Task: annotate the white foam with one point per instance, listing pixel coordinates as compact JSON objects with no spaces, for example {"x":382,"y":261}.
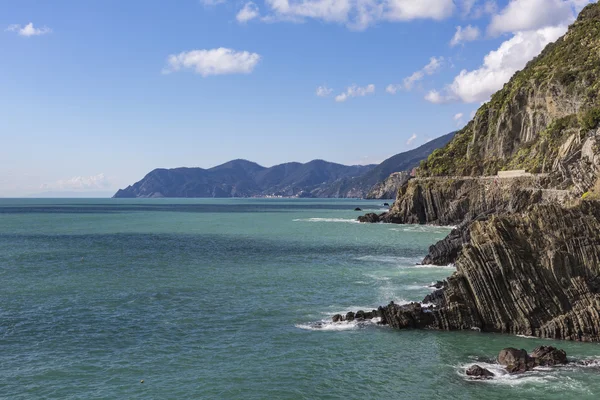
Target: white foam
{"x":343,"y":220}
{"x":390,"y":259}
{"x":419,"y":287}
{"x":328,"y":325}
{"x":502,"y":377}
{"x":423,"y":229}
{"x":449,"y":266}
{"x":590,"y":363}
{"x":527,"y":337}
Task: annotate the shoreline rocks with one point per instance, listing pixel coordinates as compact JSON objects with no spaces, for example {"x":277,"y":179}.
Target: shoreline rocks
{"x":534,"y":273}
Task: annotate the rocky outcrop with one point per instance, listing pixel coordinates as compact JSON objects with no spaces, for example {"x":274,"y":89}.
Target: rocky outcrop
{"x":451,"y":201}
{"x":535,"y":273}
{"x":519,"y":361}
{"x":388,"y":189}
{"x":477,"y":372}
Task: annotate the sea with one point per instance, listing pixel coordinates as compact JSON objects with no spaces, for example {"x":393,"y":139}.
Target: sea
{"x":233,"y":299}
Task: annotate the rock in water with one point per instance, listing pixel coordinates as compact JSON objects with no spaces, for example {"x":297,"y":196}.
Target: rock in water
{"x":357,"y":209}
{"x":549,"y":356}
{"x":369,"y":218}
{"x":337,"y":318}
{"x":478,"y":372}
{"x":516,"y":361}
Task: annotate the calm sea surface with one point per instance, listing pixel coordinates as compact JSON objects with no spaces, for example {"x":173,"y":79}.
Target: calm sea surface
{"x":231,"y":299}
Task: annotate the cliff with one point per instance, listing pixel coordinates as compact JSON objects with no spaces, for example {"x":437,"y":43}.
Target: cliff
{"x":526,"y":247}
{"x":388,"y":189}
{"x":542,"y":117}
{"x":535,"y":274}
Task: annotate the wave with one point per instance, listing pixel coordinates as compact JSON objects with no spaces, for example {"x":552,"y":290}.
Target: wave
{"x":448,"y":267}
{"x":328,"y":326}
{"x":423,"y":229}
{"x":548,"y":377}
{"x":344,"y":220}
{"x":390,"y":259}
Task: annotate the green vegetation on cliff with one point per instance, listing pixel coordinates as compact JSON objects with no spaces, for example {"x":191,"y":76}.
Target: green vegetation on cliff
{"x":555,"y":99}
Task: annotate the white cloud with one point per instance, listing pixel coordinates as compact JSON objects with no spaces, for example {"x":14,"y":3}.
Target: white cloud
{"x":488,"y":7}
{"x":95,"y":182}
{"x":28,"y":30}
{"x":498,"y":67}
{"x":219,"y":61}
{"x":411,"y":139}
{"x":467,"y":34}
{"x":435,"y":63}
{"x":355,"y":91}
{"x":458,"y":116}
{"x":248,"y":12}
{"x":323,"y":91}
{"x":525,"y":15}
{"x":406,"y":10}
{"x":358,"y":14}
{"x":435,"y":97}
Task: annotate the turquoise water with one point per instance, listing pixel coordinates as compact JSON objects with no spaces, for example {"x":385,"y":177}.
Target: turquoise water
{"x":231,"y":299}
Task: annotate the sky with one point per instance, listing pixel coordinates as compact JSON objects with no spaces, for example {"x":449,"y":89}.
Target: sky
{"x":97,"y":93}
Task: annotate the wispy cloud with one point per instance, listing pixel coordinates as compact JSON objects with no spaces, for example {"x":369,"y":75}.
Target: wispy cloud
{"x":467,"y":34}
{"x":434,"y":65}
{"x":323,"y":91}
{"x":411,"y":139}
{"x":28,"y":30}
{"x":221,"y":61}
{"x":355,"y":91}
{"x":247,"y":13}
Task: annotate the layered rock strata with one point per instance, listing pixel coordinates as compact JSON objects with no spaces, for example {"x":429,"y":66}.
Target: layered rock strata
{"x":535,"y":273}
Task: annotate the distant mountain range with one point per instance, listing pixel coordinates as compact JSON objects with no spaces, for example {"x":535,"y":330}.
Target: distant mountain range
{"x":241,"y":178}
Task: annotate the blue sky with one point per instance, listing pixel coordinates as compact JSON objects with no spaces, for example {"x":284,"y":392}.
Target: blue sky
{"x":97,"y":93}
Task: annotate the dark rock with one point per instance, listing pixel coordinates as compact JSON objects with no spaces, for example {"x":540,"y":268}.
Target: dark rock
{"x":357,"y":209}
{"x":516,"y":361}
{"x":510,"y":355}
{"x":446,"y":251}
{"x":350,"y":316}
{"x":549,"y":356}
{"x":478,"y":372}
{"x":337,"y":318}
{"x":360,"y":314}
{"x":386,"y":204}
{"x":369,"y":218}
{"x":438,"y":285}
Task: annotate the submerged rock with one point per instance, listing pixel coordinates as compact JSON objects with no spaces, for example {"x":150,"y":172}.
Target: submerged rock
{"x":357,"y":209}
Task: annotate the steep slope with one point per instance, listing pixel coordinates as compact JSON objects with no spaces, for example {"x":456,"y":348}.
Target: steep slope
{"x":535,"y":274}
{"x":527,"y":247}
{"x":541,"y":118}
{"x":545,"y":121}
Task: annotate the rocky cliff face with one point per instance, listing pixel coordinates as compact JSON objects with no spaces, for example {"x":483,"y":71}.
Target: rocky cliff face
{"x":388,"y":189}
{"x":535,"y":273}
{"x":526,"y":249}
{"x":541,"y":119}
